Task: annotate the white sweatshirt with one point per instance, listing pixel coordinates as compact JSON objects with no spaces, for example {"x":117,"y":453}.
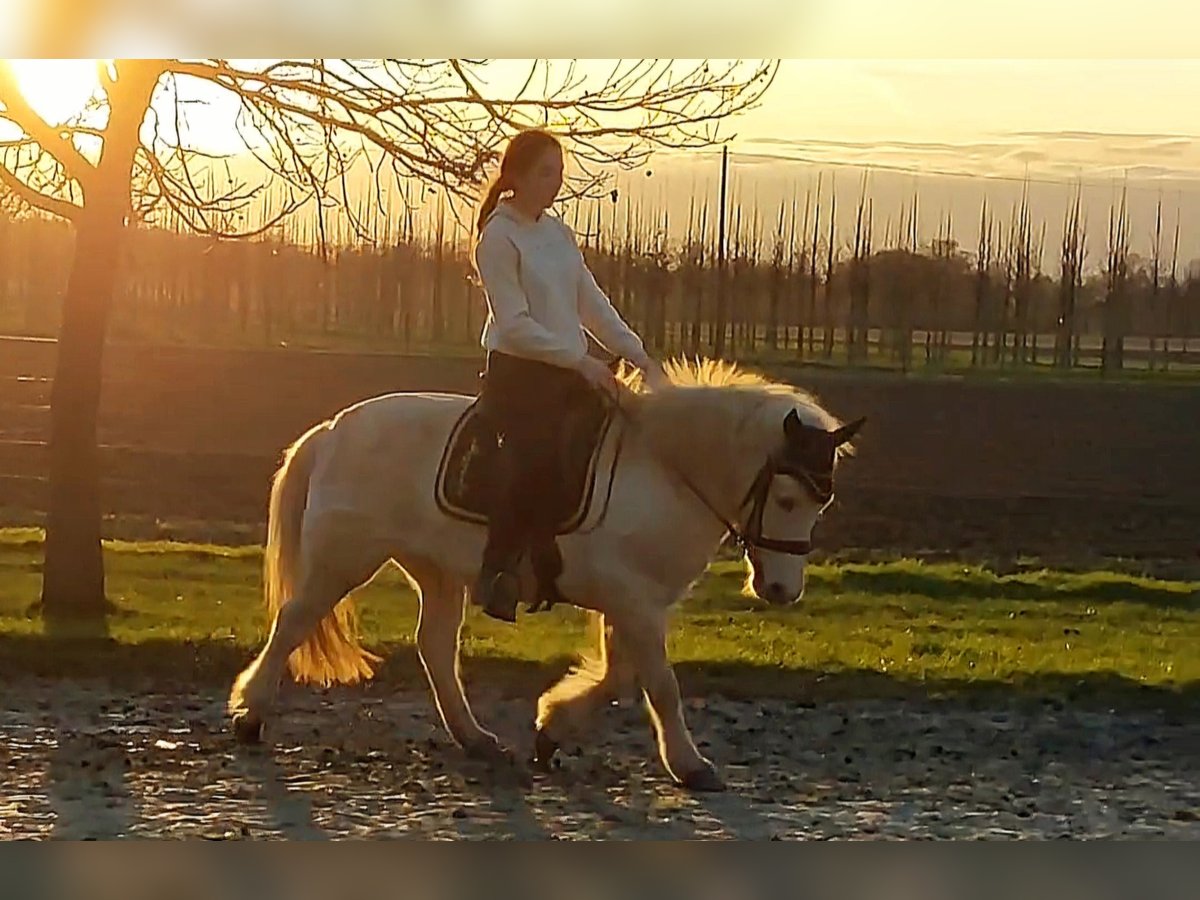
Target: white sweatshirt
{"x":541,"y":294}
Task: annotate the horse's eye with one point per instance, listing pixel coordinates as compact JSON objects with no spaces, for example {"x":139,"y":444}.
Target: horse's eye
{"x":787,"y":504}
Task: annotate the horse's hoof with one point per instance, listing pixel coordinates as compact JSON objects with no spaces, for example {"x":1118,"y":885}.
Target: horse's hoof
{"x":705,"y":779}
{"x":544,"y":748}
{"x":247,"y":729}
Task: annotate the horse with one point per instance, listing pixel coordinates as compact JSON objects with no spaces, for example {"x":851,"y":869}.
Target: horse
{"x":718,"y":450}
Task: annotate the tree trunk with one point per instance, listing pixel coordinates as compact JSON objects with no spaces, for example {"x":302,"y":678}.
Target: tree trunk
{"x":73,"y":567}
{"x":73,"y":570}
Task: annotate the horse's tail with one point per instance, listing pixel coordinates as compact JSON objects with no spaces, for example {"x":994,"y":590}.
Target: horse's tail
{"x":331,"y":653}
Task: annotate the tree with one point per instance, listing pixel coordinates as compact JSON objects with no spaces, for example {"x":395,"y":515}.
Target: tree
{"x":1117,"y":286}
{"x":313,"y":129}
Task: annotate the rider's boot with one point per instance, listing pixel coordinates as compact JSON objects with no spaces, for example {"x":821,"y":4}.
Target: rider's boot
{"x":498,"y":591}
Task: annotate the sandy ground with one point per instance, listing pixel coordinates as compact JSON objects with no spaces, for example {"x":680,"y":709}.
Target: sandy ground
{"x":90,"y":761}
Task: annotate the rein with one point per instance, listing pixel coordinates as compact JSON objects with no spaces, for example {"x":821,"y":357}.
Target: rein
{"x":749,"y":537}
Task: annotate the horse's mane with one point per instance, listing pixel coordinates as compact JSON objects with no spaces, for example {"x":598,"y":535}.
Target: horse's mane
{"x":705,"y":372}
{"x":713,"y":407}
{"x":744,"y":389}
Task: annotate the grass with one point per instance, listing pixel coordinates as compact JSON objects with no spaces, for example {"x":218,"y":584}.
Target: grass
{"x":191,"y":613}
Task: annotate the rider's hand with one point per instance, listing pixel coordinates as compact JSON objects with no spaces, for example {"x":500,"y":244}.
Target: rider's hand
{"x":598,"y":375}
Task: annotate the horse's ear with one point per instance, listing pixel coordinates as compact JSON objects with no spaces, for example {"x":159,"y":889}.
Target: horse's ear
{"x":793,"y":428}
{"x":846,"y":433}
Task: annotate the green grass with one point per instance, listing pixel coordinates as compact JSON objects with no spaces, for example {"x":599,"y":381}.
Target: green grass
{"x":191,"y":612}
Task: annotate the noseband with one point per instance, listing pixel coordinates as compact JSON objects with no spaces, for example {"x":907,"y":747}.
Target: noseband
{"x":750,"y":537}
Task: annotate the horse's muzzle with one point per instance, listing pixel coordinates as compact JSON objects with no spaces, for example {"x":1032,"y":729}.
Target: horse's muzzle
{"x":775,"y":592}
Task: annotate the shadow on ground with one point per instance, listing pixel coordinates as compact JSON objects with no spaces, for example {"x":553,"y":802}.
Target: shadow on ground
{"x":180,"y":665}
{"x":937,"y":586}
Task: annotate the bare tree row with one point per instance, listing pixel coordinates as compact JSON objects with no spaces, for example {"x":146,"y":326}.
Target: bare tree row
{"x":786,"y":284}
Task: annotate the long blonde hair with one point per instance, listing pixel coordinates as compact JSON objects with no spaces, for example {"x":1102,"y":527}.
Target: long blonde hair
{"x":520,"y":154}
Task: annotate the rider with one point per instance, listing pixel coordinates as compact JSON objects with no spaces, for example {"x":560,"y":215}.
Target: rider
{"x":540,"y":296}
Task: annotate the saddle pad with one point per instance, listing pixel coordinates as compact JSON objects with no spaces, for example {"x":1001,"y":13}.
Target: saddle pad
{"x":588,"y":453}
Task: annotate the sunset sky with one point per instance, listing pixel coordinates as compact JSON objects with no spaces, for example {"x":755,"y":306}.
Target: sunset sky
{"x":954,"y":124}
{"x":987,"y":115}
{"x":982,"y":116}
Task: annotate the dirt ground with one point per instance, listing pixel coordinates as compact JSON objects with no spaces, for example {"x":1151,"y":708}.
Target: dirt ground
{"x":88,"y":761}
{"x":1072,"y":473}
{"x":1068,"y":472}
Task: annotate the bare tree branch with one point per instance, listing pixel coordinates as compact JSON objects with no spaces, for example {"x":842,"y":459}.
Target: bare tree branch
{"x":437,"y":123}
{"x":18,"y":111}
{"x":326,"y":130}
{"x":45,"y":202}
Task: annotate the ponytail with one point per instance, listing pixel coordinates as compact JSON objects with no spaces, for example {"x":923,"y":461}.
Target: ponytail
{"x":489,"y":203}
{"x":519,"y":156}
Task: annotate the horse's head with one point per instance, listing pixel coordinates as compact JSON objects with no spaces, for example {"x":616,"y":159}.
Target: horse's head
{"x":724,"y":419}
{"x":789,"y":495}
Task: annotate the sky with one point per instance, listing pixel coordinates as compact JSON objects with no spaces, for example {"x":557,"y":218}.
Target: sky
{"x":956,"y":128}
{"x":966,"y":102}
{"x":867,"y":29}
{"x":975,"y":115}
{"x":995,"y":29}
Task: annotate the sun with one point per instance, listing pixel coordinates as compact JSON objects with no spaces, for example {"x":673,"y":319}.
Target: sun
{"x":57,"y":89}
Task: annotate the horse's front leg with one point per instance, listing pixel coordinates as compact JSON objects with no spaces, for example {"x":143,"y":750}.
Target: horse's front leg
{"x":566,"y":707}
{"x":646,"y":640}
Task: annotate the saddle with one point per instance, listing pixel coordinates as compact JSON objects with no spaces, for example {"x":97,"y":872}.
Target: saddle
{"x":587,"y":459}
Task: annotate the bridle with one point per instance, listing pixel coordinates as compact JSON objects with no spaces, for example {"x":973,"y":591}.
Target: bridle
{"x":749,"y":537}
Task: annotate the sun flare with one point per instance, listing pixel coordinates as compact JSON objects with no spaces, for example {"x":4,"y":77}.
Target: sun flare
{"x":57,"y":89}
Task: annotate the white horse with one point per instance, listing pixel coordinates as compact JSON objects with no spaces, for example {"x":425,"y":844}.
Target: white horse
{"x":718,"y":449}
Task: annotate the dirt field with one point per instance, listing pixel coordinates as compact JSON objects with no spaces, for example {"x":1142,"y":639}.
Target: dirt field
{"x":1068,"y":472}
{"x":85,"y":761}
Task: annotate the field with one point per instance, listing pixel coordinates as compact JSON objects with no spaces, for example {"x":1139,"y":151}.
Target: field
{"x":1075,"y":473}
{"x":897,"y":699}
{"x":890,"y":628}
{"x":1000,"y":629}
{"x":998,"y":639}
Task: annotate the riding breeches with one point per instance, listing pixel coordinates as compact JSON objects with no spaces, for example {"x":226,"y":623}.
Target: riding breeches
{"x":525,"y":402}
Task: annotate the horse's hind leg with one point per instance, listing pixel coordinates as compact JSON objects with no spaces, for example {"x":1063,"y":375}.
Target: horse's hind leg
{"x":438,"y":626}
{"x":324,"y":581}
{"x":566,"y":707}
{"x":256,"y":689}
